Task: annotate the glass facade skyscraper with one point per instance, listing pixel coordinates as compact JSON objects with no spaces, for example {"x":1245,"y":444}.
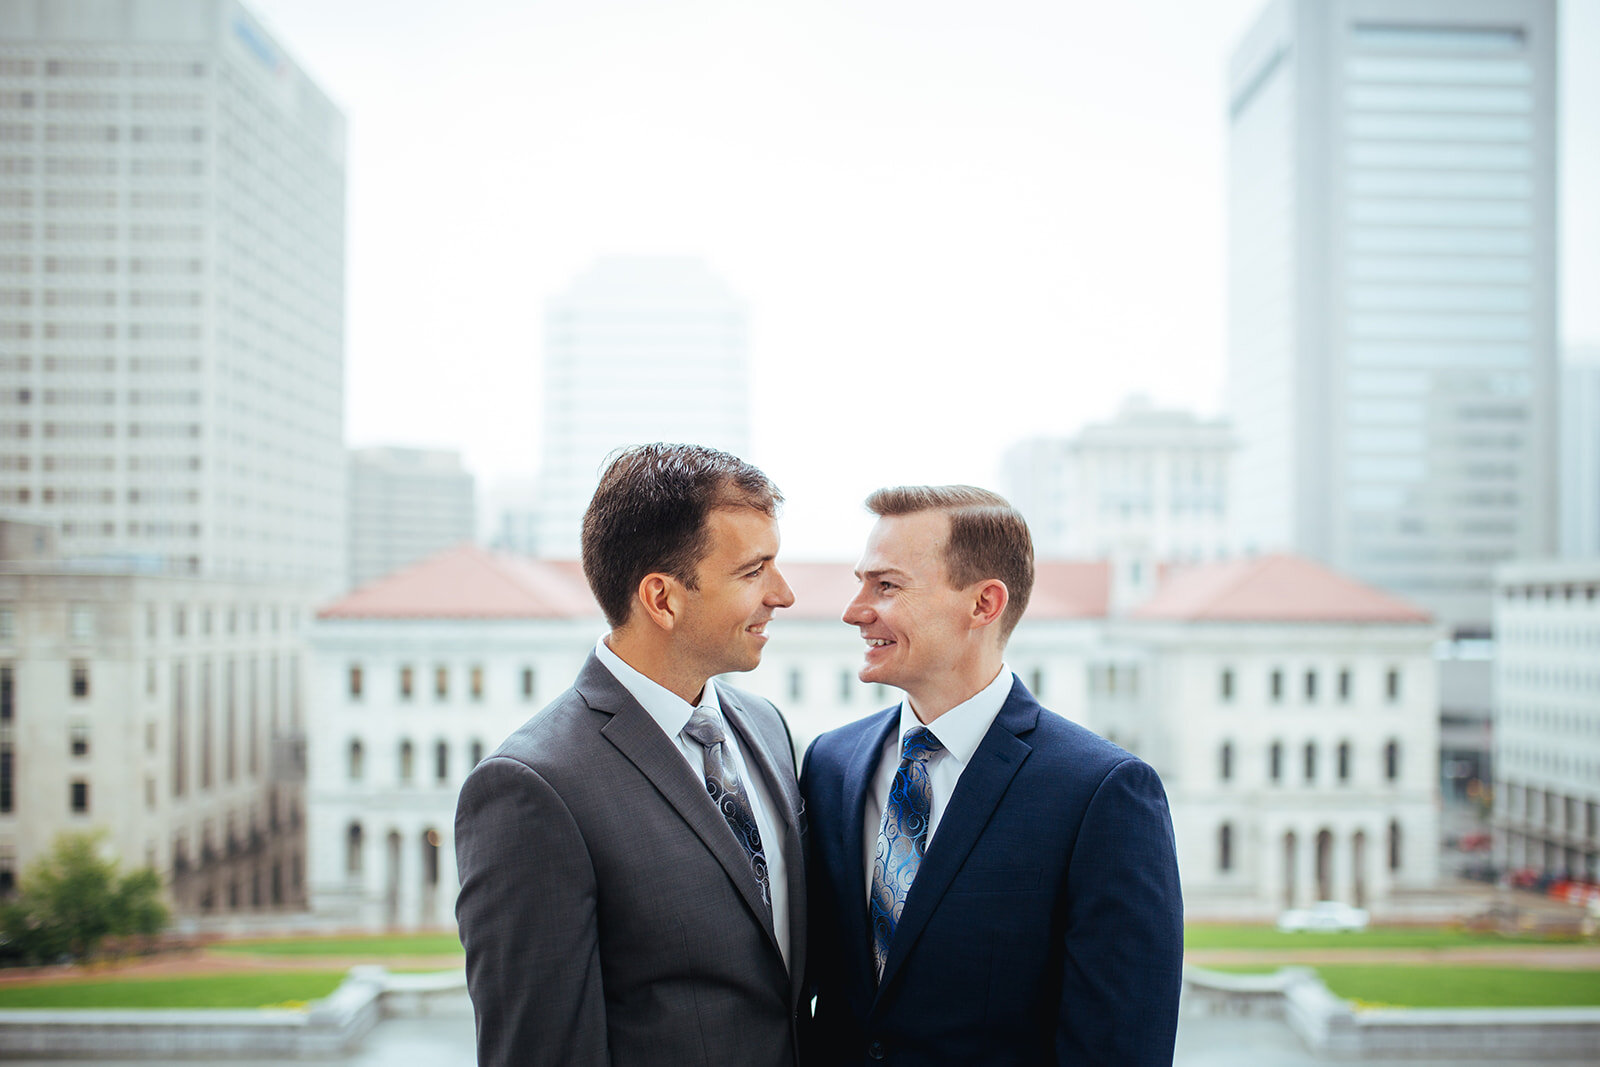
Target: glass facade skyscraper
{"x":1393,"y":290}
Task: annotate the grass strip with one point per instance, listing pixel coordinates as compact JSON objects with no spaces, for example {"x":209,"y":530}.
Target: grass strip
{"x":1417,"y":986}
{"x":1202,"y":936}
{"x":374,"y":948}
{"x":258,"y":989}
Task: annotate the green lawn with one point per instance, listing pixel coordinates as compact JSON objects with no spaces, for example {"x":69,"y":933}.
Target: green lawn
{"x":1202,"y":936}
{"x":377,"y":948}
{"x":1408,"y":986}
{"x":257,"y":990}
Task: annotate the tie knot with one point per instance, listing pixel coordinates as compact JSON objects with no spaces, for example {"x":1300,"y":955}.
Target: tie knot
{"x":919,"y":745}
{"x":705,"y":726}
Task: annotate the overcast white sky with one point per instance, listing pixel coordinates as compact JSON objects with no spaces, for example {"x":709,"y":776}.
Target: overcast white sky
{"x":956,"y":223}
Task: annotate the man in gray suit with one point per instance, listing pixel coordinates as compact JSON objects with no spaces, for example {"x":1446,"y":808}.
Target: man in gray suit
{"x":632,"y":889}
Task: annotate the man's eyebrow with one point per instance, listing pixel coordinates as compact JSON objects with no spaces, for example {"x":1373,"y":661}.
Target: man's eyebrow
{"x":752,"y":561}
{"x":879,"y":573}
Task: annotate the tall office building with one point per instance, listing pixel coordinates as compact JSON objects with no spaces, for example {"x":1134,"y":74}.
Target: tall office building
{"x":1393,"y":290}
{"x":405,"y":504}
{"x":1580,"y":453}
{"x":638,"y":349}
{"x":171,"y":289}
{"x":1150,"y":483}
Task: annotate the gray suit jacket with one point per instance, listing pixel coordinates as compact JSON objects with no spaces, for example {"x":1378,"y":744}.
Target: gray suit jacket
{"x":608,"y":913}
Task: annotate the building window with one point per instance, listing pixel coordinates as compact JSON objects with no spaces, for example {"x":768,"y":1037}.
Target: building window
{"x":1036,"y":682}
{"x":1225,"y":847}
{"x":797,"y":684}
{"x":355,"y":681}
{"x":81,"y":625}
{"x":352,"y":850}
{"x":8,"y":770}
{"x":406,"y":683}
{"x":527,"y":683}
{"x":847,"y":686}
{"x":1225,"y":762}
{"x":475,"y":683}
{"x":1391,"y":761}
{"x":1394,"y":844}
{"x":477,"y":753}
{"x":407,"y":761}
{"x":1344,"y":761}
{"x":1311,"y":761}
{"x":1391,"y":686}
{"x":1276,"y":687}
{"x":180,"y":730}
{"x":78,"y":735}
{"x":357,"y":761}
{"x":80,"y":680}
{"x":180,"y":621}
{"x":441,"y":683}
{"x":8,"y":624}
{"x":8,"y":694}
{"x":1275,"y":762}
{"x":8,"y":869}
{"x":441,"y":761}
{"x":1225,"y":685}
{"x":1311,"y":686}
{"x":80,"y":797}
{"x":1344,"y":686}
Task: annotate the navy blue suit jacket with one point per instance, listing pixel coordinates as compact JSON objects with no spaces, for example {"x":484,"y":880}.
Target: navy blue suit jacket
{"x":1045,"y":925}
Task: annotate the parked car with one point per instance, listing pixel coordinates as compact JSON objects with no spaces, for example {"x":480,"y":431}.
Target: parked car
{"x":1323,"y":915}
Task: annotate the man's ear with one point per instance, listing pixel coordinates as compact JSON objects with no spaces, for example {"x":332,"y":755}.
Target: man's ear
{"x":989,"y":603}
{"x":657,"y":596}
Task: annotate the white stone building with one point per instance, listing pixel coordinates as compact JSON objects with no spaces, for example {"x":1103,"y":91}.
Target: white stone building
{"x":167,"y":711}
{"x":1296,"y":727}
{"x":1547,"y":718}
{"x":172,"y":194}
{"x":1150,"y":483}
{"x":415,"y":677}
{"x":405,"y":504}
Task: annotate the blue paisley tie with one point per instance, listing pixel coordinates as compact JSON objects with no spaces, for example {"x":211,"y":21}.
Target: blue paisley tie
{"x":728,"y":794}
{"x":903,"y":839}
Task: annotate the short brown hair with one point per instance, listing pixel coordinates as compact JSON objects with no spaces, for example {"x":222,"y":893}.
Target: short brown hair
{"x":988,"y":538}
{"x":649,"y":515}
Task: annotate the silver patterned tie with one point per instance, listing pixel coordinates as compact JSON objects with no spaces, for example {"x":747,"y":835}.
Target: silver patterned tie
{"x":728,"y":794}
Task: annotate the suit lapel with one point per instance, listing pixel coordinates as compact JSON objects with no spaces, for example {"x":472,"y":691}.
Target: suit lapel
{"x":850,"y":879}
{"x":637,"y":736}
{"x":786,"y":795}
{"x":977,"y":794}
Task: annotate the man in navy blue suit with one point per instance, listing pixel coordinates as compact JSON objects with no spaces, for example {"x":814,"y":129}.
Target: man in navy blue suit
{"x":989,"y":883}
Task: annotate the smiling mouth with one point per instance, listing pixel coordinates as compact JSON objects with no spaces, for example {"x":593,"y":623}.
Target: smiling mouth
{"x":877,"y":642}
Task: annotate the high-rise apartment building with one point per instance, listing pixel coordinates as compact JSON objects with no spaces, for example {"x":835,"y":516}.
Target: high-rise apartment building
{"x":1580,"y":453}
{"x":1150,"y":483}
{"x":1393,"y":290}
{"x":1547,"y":718}
{"x":638,"y":349}
{"x":171,"y":289}
{"x":406,"y":503}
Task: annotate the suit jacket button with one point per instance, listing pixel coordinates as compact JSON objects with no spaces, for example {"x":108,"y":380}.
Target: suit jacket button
{"x":875,"y":1050}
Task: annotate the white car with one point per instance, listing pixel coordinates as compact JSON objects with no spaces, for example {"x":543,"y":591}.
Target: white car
{"x":1323,"y":915}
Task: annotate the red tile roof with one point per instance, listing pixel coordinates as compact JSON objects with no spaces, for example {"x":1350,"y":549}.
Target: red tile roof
{"x":469,"y":582}
{"x":1274,"y":588}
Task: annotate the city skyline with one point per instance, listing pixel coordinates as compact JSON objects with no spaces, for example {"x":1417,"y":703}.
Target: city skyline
{"x":1037,"y":194}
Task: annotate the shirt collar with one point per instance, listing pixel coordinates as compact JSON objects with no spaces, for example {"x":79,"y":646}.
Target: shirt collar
{"x":960,"y":730}
{"x":670,"y":711}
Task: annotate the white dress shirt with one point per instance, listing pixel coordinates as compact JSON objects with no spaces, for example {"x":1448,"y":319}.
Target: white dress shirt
{"x":672,"y":713}
{"x":960,"y":730}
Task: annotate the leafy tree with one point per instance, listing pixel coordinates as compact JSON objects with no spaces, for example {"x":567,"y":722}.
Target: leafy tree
{"x":72,"y":899}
